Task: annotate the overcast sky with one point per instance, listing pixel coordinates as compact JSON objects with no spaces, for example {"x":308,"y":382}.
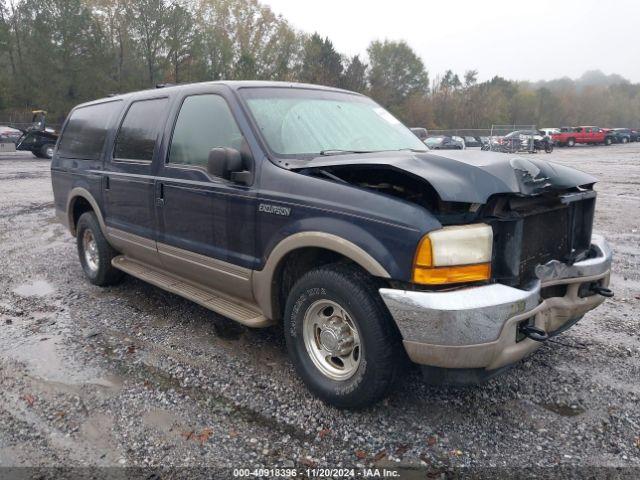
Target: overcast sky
{"x":533,"y":40}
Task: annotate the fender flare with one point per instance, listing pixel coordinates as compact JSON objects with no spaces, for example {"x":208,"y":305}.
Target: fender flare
{"x":262,"y":280}
{"x":79,"y":192}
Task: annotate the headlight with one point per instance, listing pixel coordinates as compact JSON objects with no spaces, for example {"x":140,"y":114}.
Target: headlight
{"x":454,"y":255}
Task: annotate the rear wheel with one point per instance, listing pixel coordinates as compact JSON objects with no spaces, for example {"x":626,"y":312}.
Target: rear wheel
{"x":571,"y":142}
{"x":341,"y":338}
{"x":624,"y":140}
{"x":608,"y":141}
{"x":95,"y":252}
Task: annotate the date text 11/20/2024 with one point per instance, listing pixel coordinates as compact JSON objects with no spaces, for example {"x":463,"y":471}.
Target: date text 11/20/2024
{"x":317,"y":472}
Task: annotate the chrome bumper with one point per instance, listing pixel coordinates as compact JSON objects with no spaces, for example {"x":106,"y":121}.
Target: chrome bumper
{"x":476,"y":327}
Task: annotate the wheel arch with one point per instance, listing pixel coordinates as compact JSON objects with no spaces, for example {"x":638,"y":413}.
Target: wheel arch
{"x":301,"y":252}
{"x":80,"y":201}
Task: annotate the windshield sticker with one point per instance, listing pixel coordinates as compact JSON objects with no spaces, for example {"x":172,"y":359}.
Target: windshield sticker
{"x":387,"y":116}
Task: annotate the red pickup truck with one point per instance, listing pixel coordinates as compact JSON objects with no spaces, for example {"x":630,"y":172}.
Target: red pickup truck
{"x":586,"y":134}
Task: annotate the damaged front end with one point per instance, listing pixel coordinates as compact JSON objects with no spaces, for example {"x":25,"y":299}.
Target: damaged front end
{"x":539,"y":211}
{"x":547,"y":268}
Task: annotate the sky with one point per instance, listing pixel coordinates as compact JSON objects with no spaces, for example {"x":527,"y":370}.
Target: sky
{"x":535,"y":40}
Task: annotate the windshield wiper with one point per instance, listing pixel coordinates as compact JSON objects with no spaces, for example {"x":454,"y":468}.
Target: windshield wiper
{"x":337,"y":151}
{"x":413,"y":150}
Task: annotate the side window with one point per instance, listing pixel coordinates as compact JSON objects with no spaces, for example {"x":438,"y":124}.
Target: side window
{"x":83,"y":136}
{"x":136,"y":138}
{"x":204,"y":122}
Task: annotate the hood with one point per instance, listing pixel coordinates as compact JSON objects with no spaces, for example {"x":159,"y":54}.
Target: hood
{"x":467,"y":176}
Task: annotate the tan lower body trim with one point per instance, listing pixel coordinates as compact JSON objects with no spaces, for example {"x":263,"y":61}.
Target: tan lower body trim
{"x":134,"y":246}
{"x":243,"y":312}
{"x":207,"y":272}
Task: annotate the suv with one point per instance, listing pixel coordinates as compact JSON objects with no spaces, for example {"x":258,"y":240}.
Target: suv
{"x":275,"y":202}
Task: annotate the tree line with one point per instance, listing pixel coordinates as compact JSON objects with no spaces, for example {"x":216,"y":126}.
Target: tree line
{"x":55,"y":54}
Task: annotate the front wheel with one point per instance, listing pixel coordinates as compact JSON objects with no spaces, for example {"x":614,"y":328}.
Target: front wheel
{"x":608,"y":141}
{"x":548,"y":148}
{"x":624,"y":140}
{"x":571,"y":142}
{"x":341,"y":337}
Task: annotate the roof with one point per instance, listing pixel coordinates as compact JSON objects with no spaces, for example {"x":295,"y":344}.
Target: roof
{"x":232,"y":84}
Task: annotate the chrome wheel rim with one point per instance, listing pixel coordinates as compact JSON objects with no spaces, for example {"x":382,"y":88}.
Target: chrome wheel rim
{"x":49,"y":152}
{"x":90,"y":247}
{"x":332,"y":340}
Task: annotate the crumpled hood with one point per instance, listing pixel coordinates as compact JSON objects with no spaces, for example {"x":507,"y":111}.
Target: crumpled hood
{"x":467,"y":176}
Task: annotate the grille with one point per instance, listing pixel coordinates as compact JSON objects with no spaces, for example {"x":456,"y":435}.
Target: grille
{"x":545,"y":236}
{"x":562,"y":233}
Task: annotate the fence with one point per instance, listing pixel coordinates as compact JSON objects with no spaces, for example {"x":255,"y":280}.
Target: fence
{"x":463,"y":132}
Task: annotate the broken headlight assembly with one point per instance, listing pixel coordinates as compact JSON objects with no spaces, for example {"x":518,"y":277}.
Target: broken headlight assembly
{"x":455,"y":254}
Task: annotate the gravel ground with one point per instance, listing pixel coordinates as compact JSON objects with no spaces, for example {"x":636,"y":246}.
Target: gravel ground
{"x":135,"y":376}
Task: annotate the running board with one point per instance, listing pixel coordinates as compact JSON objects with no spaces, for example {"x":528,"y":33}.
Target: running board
{"x":218,"y":302}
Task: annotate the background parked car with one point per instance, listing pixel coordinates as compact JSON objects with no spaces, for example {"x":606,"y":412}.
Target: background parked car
{"x":622,"y":135}
{"x":444,"y":142}
{"x":472,"y":141}
{"x":588,"y":134}
{"x":420,"y":132}
{"x":549,"y":131}
{"x":521,"y":140}
{"x":9,"y":134}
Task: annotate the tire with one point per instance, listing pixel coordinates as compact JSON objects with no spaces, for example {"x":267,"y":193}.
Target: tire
{"x":608,"y":141}
{"x":624,"y":140}
{"x":548,"y":148}
{"x":571,"y":142}
{"x":95,"y":253}
{"x":46,"y":151}
{"x":346,"y":300}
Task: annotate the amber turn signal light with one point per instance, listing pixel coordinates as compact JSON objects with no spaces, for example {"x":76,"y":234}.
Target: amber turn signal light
{"x":457,"y":274}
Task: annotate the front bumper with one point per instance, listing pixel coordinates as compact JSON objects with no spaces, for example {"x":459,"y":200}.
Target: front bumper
{"x":477,"y":327}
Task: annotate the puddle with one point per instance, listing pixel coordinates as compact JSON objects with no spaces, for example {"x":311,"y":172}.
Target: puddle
{"x":39,"y":288}
{"x":162,"y":420}
{"x":563,"y":409}
{"x":45,"y":359}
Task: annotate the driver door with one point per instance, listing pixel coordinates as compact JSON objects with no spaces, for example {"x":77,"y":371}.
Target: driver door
{"x":206,"y":229}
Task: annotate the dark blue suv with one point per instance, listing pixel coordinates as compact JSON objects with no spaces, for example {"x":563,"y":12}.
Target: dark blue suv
{"x":274,"y":202}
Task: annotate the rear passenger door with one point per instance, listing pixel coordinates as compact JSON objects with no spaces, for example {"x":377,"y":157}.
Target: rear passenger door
{"x":206,"y":223}
{"x":130,"y":179}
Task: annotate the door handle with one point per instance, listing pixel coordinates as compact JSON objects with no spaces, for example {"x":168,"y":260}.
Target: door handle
{"x":159,"y":194}
{"x":106,"y":182}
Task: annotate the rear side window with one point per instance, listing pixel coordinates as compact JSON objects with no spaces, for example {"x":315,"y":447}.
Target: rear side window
{"x":204,"y":122}
{"x":86,"y":130}
{"x":136,"y":138}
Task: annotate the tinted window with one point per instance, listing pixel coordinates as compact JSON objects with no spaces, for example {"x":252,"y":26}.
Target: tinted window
{"x":137,"y":136}
{"x":86,"y":130}
{"x":204,"y":122}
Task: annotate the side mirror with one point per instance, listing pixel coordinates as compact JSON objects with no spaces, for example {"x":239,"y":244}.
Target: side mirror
{"x":224,"y":161}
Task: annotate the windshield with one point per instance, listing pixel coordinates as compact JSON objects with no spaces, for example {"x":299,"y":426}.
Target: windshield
{"x":295,"y":121}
